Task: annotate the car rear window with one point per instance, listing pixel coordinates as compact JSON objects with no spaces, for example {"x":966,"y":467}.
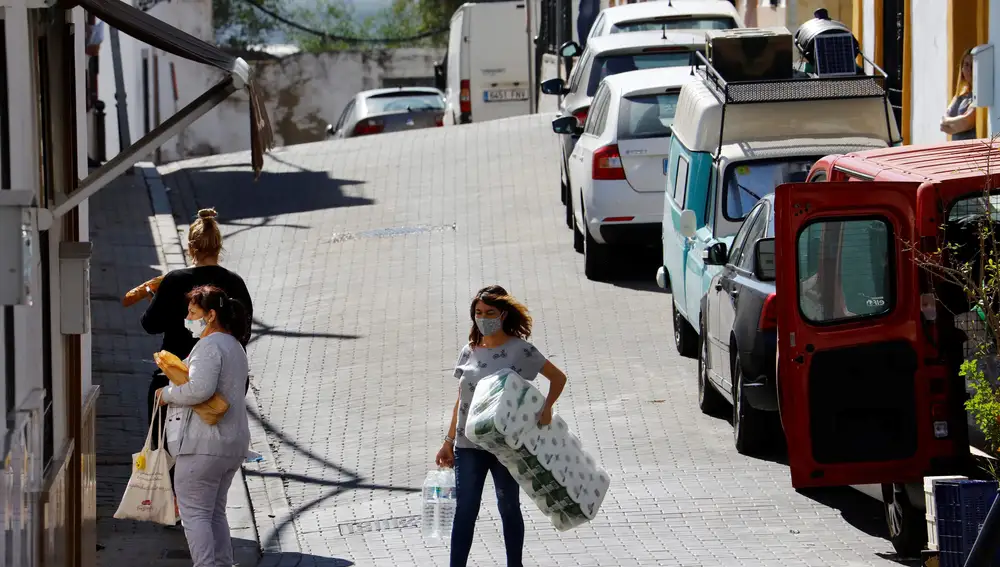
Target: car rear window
{"x":745,"y":183}
{"x":676,"y":23}
{"x":647,"y":116}
{"x":844,"y":269}
{"x":392,"y":102}
{"x":606,"y":66}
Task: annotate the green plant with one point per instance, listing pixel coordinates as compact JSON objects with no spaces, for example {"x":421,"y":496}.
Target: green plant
{"x":984,"y":404}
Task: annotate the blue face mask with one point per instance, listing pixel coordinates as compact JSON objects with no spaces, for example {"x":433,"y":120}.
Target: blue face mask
{"x":196,"y":327}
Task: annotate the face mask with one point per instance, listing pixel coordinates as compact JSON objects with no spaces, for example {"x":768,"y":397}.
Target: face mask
{"x":489,"y":326}
{"x":196,"y":327}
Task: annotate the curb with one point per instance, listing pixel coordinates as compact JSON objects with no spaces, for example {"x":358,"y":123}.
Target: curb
{"x":239,"y":510}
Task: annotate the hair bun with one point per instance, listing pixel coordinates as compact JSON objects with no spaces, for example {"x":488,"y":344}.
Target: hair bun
{"x":207,"y":214}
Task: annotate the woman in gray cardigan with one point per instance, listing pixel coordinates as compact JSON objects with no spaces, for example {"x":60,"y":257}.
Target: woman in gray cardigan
{"x":208,"y":456}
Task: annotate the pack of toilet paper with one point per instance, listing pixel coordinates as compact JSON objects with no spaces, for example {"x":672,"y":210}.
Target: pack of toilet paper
{"x":548,"y":462}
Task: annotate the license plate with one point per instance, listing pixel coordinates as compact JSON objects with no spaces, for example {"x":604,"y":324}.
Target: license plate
{"x":505,"y":95}
{"x":666,"y":165}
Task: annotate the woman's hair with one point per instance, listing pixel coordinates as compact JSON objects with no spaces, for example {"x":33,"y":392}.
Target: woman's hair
{"x":204,"y":236}
{"x":516,"y":322}
{"x":232,"y":315}
{"x":961,"y":85}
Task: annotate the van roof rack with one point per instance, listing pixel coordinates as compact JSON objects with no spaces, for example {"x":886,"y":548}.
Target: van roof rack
{"x":809,"y":88}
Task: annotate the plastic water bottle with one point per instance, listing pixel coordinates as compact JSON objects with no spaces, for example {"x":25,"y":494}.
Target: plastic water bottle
{"x":438,"y":510}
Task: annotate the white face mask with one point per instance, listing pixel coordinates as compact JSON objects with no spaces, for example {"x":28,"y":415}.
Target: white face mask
{"x":196,"y":327}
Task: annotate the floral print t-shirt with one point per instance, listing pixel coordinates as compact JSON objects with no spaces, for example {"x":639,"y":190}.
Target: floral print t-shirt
{"x":474,"y":364}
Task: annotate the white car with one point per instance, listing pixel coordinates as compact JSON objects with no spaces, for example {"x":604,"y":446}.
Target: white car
{"x":673,"y":15}
{"x":618,"y":166}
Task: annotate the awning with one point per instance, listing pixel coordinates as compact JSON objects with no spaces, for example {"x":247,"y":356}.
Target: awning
{"x":160,"y":35}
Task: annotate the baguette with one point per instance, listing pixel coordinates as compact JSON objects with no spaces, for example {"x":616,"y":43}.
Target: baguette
{"x":211,"y":410}
{"x":142,"y":291}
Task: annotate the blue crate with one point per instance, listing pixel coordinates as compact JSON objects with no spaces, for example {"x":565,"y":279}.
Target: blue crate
{"x":962,"y":506}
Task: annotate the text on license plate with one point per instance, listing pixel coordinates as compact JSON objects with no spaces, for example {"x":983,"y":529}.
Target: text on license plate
{"x":504,"y":95}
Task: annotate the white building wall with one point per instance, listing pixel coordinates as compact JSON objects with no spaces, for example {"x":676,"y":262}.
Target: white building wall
{"x":929,"y":72}
{"x":868,"y":29}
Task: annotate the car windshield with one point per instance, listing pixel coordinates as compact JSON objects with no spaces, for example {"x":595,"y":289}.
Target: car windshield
{"x":676,"y":23}
{"x":647,"y":116}
{"x":615,"y":64}
{"x":748,"y":182}
{"x":396,"y":102}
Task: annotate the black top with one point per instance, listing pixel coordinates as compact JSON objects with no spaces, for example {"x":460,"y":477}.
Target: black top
{"x":167,"y":311}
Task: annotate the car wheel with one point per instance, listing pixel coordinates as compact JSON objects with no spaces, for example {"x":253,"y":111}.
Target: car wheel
{"x":563,"y":185}
{"x":907,"y":528}
{"x":570,"y":223}
{"x":595,"y":258}
{"x":577,"y":234}
{"x":709,"y":400}
{"x":685,"y":339}
{"x":750,"y":431}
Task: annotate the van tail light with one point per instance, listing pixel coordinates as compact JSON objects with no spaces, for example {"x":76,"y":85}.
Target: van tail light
{"x":369,"y":126}
{"x":769,"y":314}
{"x":608,"y":164}
{"x":581,"y":115}
{"x":465,"y":98}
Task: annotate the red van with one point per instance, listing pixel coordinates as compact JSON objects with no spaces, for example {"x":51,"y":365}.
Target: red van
{"x":870,"y":343}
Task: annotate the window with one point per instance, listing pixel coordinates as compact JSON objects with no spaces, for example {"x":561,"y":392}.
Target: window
{"x":676,"y":23}
{"x":681,"y":181}
{"x":748,"y":182}
{"x":741,"y":236}
{"x":403,"y":102}
{"x":622,"y":63}
{"x":710,"y":201}
{"x":974,"y":207}
{"x":594,"y":119}
{"x":844,"y":269}
{"x":344,"y":115}
{"x":647,"y":116}
{"x":578,"y":70}
{"x":755,"y":233}
{"x":820,"y":177}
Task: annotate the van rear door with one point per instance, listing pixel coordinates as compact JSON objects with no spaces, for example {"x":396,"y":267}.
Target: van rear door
{"x":854,"y":390}
{"x":498,"y":60}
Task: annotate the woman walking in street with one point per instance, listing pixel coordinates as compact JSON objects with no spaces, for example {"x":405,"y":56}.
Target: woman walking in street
{"x":208,"y":456}
{"x":169,"y":305}
{"x":498,"y":339}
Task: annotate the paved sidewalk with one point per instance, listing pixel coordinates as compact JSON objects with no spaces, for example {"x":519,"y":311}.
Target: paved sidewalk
{"x":135,"y":239}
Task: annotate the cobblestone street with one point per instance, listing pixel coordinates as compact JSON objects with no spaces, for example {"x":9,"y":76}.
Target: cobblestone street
{"x":362,"y":256}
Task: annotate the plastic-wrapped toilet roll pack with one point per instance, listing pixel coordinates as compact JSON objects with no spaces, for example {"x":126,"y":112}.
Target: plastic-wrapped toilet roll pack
{"x":548,"y":462}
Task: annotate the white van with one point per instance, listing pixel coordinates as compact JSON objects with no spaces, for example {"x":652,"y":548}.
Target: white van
{"x":486,"y":73}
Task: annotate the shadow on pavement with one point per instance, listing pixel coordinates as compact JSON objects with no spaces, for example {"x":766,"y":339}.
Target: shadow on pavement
{"x":261,"y":329}
{"x":301,"y":560}
{"x":232,"y":190}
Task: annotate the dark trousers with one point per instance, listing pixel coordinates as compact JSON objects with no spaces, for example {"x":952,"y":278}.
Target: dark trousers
{"x":471,"y":466}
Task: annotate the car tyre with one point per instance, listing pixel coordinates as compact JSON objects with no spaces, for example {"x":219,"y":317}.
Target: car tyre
{"x":570,"y":221}
{"x":563,"y":185}
{"x":685,"y":338}
{"x":750,"y":426}
{"x":577,"y":234}
{"x":710,"y":401}
{"x":595,"y":258}
{"x":907,"y":527}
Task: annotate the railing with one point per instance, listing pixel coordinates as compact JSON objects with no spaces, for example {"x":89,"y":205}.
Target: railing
{"x":57,"y":506}
{"x":21,"y":483}
{"x":88,"y":478}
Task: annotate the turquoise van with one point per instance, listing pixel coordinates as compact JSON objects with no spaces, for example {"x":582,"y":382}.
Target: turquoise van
{"x":732,"y":145}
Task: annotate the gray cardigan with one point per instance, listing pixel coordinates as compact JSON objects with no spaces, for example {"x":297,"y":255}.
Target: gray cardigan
{"x":217,"y":363}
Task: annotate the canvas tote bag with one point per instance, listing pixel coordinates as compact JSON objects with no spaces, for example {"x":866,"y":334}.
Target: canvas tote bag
{"x":148,"y":496}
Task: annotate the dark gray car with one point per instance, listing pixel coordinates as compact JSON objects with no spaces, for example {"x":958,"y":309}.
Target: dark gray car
{"x":389,"y":110}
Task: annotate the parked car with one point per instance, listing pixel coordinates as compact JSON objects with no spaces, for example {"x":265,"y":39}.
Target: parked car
{"x":739,"y":333}
{"x":734,"y":142}
{"x":670,"y":16}
{"x":618,"y":167}
{"x":389,"y":110}
{"x":487,"y":73}
{"x":608,"y":56}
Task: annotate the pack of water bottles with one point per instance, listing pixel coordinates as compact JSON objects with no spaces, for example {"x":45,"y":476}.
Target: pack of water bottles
{"x":548,"y":462}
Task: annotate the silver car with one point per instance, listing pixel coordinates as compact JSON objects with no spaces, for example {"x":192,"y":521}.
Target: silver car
{"x":389,"y":110}
{"x":611,"y":55}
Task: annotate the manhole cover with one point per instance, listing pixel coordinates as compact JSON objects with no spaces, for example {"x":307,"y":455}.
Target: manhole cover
{"x":386,"y":524}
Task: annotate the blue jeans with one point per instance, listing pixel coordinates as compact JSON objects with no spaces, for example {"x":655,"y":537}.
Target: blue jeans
{"x":471,"y":466}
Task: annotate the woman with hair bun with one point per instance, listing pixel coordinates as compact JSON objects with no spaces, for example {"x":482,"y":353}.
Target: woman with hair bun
{"x":208,"y":456}
{"x":169,"y":305}
{"x":497,"y":340}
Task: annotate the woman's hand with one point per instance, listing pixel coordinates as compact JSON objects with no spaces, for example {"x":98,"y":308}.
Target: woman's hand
{"x":159,"y":397}
{"x":545,"y":417}
{"x":446,"y":456}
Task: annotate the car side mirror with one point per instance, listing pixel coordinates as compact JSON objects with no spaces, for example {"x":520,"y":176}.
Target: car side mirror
{"x":688,"y":224}
{"x":554,"y":86}
{"x":569,"y":49}
{"x":567,"y":125}
{"x":763,"y":259}
{"x":716,"y":255}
